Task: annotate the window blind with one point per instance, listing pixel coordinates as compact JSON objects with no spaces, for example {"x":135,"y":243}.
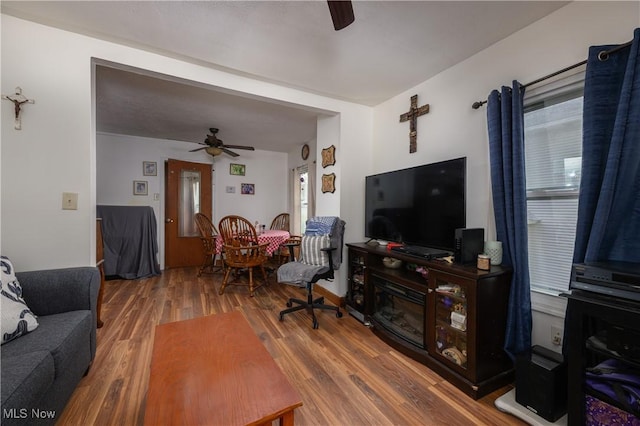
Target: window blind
{"x":553,"y":157}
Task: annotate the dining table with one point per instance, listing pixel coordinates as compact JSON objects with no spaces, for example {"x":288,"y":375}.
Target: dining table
{"x":274,"y":237}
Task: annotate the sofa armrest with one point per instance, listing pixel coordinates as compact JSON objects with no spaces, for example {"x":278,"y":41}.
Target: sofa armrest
{"x":54,"y":291}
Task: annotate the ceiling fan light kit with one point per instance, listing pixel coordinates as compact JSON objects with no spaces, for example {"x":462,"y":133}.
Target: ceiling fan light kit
{"x":216,"y":147}
{"x":213,"y":151}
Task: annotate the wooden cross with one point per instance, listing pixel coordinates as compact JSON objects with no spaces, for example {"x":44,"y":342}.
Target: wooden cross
{"x":412,"y":116}
{"x":18,"y":99}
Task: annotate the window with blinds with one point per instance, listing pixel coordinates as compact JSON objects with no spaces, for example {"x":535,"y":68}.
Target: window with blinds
{"x":553,"y":158}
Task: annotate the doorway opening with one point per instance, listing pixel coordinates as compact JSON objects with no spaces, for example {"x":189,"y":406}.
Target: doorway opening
{"x":301,"y":199}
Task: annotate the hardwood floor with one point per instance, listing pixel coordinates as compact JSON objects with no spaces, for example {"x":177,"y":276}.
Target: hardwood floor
{"x":343,"y":372}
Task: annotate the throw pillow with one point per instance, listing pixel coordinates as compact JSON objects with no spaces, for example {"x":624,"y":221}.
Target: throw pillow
{"x":16,"y":317}
{"x":311,"y":253}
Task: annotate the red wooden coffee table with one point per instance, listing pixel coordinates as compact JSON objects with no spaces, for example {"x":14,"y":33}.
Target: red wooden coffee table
{"x":215,"y":371}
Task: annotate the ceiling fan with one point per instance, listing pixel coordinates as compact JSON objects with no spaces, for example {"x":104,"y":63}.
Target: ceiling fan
{"x":341,"y":13}
{"x":215,"y":146}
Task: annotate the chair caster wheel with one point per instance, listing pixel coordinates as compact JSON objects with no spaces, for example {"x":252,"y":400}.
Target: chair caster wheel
{"x":281,"y":317}
{"x":315,"y":325}
{"x":289,"y":304}
{"x":338,"y":314}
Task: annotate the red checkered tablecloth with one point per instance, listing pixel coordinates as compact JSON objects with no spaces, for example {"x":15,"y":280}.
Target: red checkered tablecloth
{"x":273,"y":237}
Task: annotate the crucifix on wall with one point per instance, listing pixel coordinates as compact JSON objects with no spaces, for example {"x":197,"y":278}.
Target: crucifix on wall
{"x":18,"y":100}
{"x":412,"y":116}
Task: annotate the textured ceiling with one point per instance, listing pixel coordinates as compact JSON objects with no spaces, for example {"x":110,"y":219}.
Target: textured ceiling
{"x":129,"y":103}
{"x":391,"y":47}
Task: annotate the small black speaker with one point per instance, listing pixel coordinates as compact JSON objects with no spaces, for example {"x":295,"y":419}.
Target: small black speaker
{"x":541,"y":382}
{"x":469,"y":242}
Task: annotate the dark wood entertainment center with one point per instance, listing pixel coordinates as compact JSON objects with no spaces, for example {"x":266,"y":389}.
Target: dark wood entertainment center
{"x":453,"y":321}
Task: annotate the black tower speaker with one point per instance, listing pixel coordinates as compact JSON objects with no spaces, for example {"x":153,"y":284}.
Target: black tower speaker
{"x":541,"y":382}
{"x":469,"y":242}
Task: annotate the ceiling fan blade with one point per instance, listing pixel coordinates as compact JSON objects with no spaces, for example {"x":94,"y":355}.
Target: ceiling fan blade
{"x":198,"y":149}
{"x":249,"y":148}
{"x":231,"y":153}
{"x":341,"y":13}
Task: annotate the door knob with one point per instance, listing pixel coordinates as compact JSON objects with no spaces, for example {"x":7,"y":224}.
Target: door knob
{"x":168,"y":220}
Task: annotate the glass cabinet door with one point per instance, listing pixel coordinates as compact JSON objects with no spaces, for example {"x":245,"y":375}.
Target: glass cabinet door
{"x":356,"y":291}
{"x":449,"y":317}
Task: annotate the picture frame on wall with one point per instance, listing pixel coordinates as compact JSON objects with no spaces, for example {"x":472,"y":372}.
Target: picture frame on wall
{"x":237,"y":169}
{"x":149,"y":168}
{"x":247,"y":188}
{"x":329,"y":183}
{"x":328,"y":156}
{"x":140,"y":187}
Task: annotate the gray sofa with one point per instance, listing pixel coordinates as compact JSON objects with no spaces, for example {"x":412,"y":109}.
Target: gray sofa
{"x":41,"y":369}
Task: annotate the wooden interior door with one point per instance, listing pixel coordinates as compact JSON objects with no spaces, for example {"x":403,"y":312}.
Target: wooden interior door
{"x":182,"y":241}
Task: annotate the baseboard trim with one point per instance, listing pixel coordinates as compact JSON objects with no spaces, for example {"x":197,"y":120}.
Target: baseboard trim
{"x":321,"y":291}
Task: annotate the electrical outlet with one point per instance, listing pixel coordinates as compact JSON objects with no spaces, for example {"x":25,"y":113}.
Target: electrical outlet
{"x":556,"y":335}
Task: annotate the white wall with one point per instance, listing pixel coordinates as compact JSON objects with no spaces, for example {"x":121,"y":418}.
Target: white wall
{"x":453,"y":129}
{"x":52,"y":153}
{"x":119,"y":163}
{"x":353,"y":163}
{"x":56,"y":150}
{"x":268,"y":171}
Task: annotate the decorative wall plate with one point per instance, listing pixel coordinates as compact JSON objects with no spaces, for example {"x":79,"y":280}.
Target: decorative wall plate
{"x":328,"y":156}
{"x":329,"y":183}
{"x":305,"y":151}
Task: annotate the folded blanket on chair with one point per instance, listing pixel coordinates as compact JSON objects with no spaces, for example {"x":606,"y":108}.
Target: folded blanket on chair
{"x":298,"y":273}
{"x":336,"y":241}
{"x":320,"y":225}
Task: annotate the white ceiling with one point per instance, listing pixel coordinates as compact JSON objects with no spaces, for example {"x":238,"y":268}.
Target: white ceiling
{"x":391,"y":47}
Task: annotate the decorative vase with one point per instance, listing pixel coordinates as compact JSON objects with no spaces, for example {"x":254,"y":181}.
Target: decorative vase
{"x":494,"y":250}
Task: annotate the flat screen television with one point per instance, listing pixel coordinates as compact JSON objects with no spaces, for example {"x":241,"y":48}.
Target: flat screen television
{"x":419,"y":206}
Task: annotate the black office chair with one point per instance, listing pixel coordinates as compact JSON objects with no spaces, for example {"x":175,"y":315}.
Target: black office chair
{"x":320,"y":256}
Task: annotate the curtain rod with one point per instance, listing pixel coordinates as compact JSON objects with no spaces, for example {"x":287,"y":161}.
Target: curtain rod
{"x":602,"y":56}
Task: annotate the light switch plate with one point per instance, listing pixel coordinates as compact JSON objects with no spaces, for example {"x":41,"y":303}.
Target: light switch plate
{"x":230,"y":189}
{"x":69,"y":201}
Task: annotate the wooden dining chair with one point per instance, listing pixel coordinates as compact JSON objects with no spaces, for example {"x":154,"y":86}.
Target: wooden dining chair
{"x":289,"y":250}
{"x":281,"y":222}
{"x":241,"y":251}
{"x":208,"y":236}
